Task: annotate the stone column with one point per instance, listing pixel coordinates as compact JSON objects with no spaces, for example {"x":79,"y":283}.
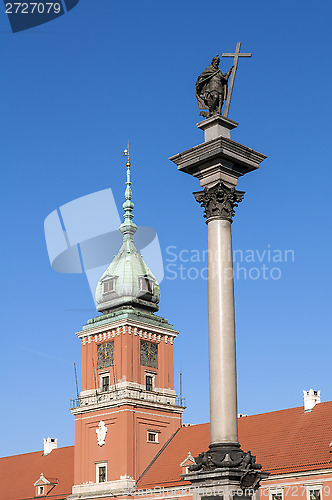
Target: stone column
{"x":219,"y":202}
{"x":218,"y":163}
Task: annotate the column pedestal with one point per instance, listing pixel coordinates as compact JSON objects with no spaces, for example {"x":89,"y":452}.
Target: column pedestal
{"x":216,"y":126}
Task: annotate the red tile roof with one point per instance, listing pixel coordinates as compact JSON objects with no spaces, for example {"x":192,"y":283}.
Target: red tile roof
{"x":18,"y":474}
{"x":283,"y":441}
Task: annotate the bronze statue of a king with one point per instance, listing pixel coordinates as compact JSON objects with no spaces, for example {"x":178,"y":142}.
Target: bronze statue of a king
{"x":211,"y":88}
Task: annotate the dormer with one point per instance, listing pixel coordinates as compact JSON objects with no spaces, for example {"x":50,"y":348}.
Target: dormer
{"x":189,"y":460}
{"x":146,"y":285}
{"x":44,"y":486}
{"x":108,"y":284}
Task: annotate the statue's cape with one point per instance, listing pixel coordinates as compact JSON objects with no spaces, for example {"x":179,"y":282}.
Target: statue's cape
{"x":201,"y":83}
{"x":205,"y":76}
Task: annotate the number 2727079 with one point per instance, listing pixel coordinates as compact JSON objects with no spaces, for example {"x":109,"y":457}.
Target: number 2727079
{"x":33,"y":8}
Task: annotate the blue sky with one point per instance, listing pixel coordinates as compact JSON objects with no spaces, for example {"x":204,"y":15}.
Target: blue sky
{"x":73,"y":92}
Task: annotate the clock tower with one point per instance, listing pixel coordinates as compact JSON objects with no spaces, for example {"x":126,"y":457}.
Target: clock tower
{"x":127,"y":409}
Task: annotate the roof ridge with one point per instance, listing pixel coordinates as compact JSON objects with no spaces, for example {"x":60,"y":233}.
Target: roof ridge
{"x":254,"y":415}
{"x":38,"y":451}
{"x":288,"y":409}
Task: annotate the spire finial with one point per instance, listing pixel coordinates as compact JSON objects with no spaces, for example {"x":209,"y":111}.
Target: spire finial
{"x":128,"y":227}
{"x":128,"y":193}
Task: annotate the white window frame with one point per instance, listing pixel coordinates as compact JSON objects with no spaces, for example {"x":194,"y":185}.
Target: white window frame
{"x":311,"y":487}
{"x":101,"y":375}
{"x":110,"y":280}
{"x":150,"y":374}
{"x":149,"y":280}
{"x":41,"y":490}
{"x":98,"y":466}
{"x":276,"y":491}
{"x":156,"y":434}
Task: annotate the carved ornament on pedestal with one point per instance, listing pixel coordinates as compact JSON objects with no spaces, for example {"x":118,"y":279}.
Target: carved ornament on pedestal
{"x":229,"y":457}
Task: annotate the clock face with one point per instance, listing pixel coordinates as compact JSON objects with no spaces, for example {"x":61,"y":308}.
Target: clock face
{"x":149,"y":354}
{"x":105,"y":355}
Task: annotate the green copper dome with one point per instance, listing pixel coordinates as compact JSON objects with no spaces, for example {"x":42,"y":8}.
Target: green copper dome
{"x":127,"y":280}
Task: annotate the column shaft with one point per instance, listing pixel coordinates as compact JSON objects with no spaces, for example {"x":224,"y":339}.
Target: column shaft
{"x":222,"y":346}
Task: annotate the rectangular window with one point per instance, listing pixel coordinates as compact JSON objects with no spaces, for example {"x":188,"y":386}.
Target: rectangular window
{"x":276,"y":494}
{"x":109,"y":285}
{"x":146,"y":285}
{"x":105,"y":383}
{"x":101,"y":471}
{"x":149,"y":383}
{"x":102,"y":474}
{"x":152,"y":437}
{"x":315,"y":494}
{"x":41,"y":490}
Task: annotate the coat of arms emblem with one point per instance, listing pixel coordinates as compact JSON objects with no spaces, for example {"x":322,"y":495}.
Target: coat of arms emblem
{"x":101,"y":433}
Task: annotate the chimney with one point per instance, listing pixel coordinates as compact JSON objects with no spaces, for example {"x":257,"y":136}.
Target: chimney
{"x":49,"y":445}
{"x":311,"y":398}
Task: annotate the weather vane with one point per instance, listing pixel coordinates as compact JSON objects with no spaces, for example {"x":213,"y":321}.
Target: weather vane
{"x":125,"y":152}
{"x":212,"y":87}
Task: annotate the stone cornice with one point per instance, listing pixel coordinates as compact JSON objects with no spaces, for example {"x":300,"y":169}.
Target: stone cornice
{"x":219,"y":201}
{"x":241,"y":158}
{"x":131,"y":386}
{"x":130,"y":327}
{"x":131,"y":314}
{"x":124,"y":400}
{"x":179,"y":487}
{"x":297,"y":474}
{"x":100,"y":490}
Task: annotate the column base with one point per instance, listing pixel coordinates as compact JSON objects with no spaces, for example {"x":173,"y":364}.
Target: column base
{"x":226,"y":462}
{"x":212,"y":486}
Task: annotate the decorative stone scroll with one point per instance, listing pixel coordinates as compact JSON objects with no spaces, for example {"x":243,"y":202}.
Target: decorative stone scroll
{"x":219,"y":201}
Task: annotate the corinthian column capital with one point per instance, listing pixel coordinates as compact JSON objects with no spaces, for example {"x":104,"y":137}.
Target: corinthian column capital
{"x":219,"y":201}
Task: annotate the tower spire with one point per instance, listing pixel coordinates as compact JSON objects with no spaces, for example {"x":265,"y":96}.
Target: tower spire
{"x":128,"y":228}
{"x":127,"y":281}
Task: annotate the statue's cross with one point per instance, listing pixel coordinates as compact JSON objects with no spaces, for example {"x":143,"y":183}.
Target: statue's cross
{"x":232,"y":78}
